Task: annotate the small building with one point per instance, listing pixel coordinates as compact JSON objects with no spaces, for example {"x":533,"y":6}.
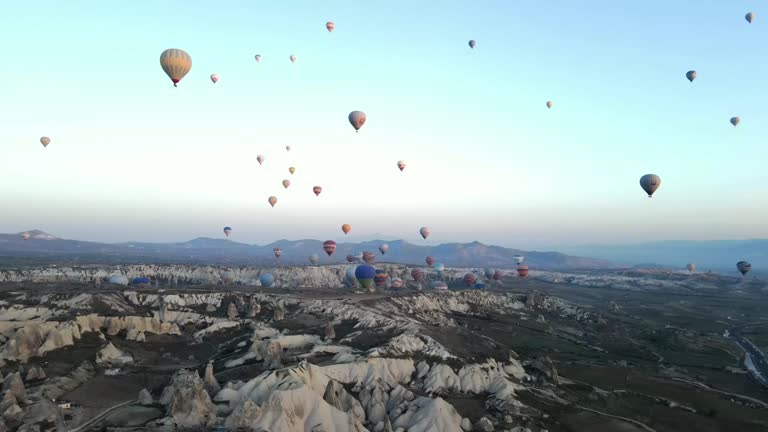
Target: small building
{"x":64,"y":405}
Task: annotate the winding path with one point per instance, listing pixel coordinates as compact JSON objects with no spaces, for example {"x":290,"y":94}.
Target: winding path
{"x":83,"y":427}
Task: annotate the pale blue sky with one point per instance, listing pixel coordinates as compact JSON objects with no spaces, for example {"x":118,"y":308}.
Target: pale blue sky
{"x":133,"y":158}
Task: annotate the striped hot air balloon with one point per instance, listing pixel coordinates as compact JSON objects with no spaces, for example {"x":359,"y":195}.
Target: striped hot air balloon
{"x":744,"y":267}
{"x":417,"y":275}
{"x":380,"y":279}
{"x":469,"y":279}
{"x":317,"y":190}
{"x":176,"y":63}
{"x":439,"y":285}
{"x":396,"y":283}
{"x":369,"y":257}
{"x":329,"y":246}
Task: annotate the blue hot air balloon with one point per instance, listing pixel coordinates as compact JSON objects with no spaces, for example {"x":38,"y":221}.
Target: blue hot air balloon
{"x":118,"y":280}
{"x":364,"y":273}
{"x":439,"y":267}
{"x":267,"y":280}
{"x":140,"y":280}
{"x":478,"y":285}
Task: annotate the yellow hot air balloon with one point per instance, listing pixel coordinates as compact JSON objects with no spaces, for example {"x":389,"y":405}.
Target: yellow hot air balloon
{"x":292,"y":170}
{"x":176,"y":63}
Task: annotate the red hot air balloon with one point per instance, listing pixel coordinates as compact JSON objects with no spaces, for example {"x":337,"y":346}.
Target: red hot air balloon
{"x":417,"y":275}
{"x":369,"y":257}
{"x":317,"y":190}
{"x":329,"y":246}
{"x":522,"y":270}
{"x":430,"y":261}
{"x":469,"y":279}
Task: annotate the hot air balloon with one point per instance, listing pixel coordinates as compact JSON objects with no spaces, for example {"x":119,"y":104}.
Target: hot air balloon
{"x":649,"y":183}
{"x":272,"y":200}
{"x":469,"y":279}
{"x":228,"y":276}
{"x":472,"y":44}
{"x":369,"y":257}
{"x":25,"y":236}
{"x":750,"y":17}
{"x":396,"y":283}
{"x":550,"y":104}
{"x":278,"y":252}
{"x":291,"y":170}
{"x":351,"y":258}
{"x":141,"y":280}
{"x":45,"y":141}
{"x":439,"y":285}
{"x":330,"y":26}
{"x":691,"y":267}
{"x":357,"y":119}
{"x":118,"y":280}
{"x":439,"y":267}
{"x":380,"y":279}
{"x":383,"y":248}
{"x":176,"y":63}
{"x":349,"y":277}
{"x":314,"y":259}
{"x":329,"y":246}
{"x":317,"y":190}
{"x":691,"y":75}
{"x":227,"y":231}
{"x":497,"y":275}
{"x":744,"y":267}
{"x":214,"y":78}
{"x":522,"y":271}
{"x":735,"y":121}
{"x":346,"y":228}
{"x":260,"y":159}
{"x":286,"y":183}
{"x":266,"y":280}
{"x":488,"y":272}
{"x":429,"y":260}
{"x":417,"y":275}
{"x":364,"y":273}
{"x":424,"y":231}
{"x":288,"y":148}
{"x":401,"y":165}
{"x":519,"y":259}
{"x":293,"y":58}
{"x":257,"y":57}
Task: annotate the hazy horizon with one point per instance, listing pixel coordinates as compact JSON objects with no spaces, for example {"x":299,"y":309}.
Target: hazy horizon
{"x":134,"y":159}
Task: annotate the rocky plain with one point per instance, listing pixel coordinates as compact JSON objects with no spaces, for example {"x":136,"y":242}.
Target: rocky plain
{"x":209,"y":348}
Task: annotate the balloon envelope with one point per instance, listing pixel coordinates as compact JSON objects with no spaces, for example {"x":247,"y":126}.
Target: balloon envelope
{"x":744,"y":267}
{"x":286,"y":183}
{"x":691,"y":75}
{"x":346,"y":228}
{"x":549,"y":104}
{"x":330,"y":26}
{"x":272,"y":200}
{"x":424,"y":231}
{"x":257,"y":57}
{"x":383,"y":248}
{"x":691,"y":267}
{"x":439,"y":285}
{"x":439,"y":267}
{"x":291,"y":170}
{"x":227,"y":231}
{"x":417,"y":275}
{"x":401,"y":165}
{"x":735,"y":121}
{"x":267,"y":280}
{"x":118,"y":280}
{"x":750,"y":17}
{"x":45,"y":141}
{"x":472,"y":44}
{"x":260,"y":159}
{"x":369,"y":257}
{"x":329,"y":246}
{"x":214,"y":78}
{"x":140,"y":281}
{"x":293,"y":58}
{"x":649,"y":183}
{"x":278,"y":252}
{"x":429,"y":260}
{"x":317,"y":190}
{"x":314,"y":259}
{"x":522,"y":271}
{"x":364,"y":273}
{"x":357,"y":119}
{"x":176,"y":63}
{"x":469,"y":279}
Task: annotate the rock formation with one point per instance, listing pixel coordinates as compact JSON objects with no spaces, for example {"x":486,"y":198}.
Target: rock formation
{"x":35,"y":373}
{"x":329,"y":332}
{"x":232,"y":313}
{"x":211,"y":385}
{"x":110,"y":355}
{"x":145,"y":398}
{"x":254,"y":310}
{"x":279,"y":314}
{"x":187,"y":403}
{"x":15,"y":386}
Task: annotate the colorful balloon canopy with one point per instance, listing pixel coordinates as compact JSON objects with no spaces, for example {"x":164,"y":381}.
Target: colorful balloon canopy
{"x":260,"y":159}
{"x":278,"y":252}
{"x":364,"y":273}
{"x":417,"y":275}
{"x":424,"y":231}
{"x":488,"y":272}
{"x":401,"y":165}
{"x":329,"y":246}
{"x":286,"y":183}
{"x":383,"y":248}
{"x":429,"y":260}
{"x":214,"y":78}
{"x":45,"y":141}
{"x":257,"y":57}
{"x":396,"y":283}
{"x":439,"y":267}
{"x":691,"y":75}
{"x":369,"y":257}
{"x":357,"y":119}
{"x":380,"y":279}
{"x":750,"y":16}
{"x":735,"y":121}
{"x":744,"y":267}
{"x":272,"y":200}
{"x":472,"y":43}
{"x":176,"y":63}
{"x":649,"y":183}
{"x":346,"y":228}
{"x":439,"y":285}
{"x":267,"y":280}
{"x":227,"y":231}
{"x":522,"y":270}
{"x":469,"y":279}
{"x":317,"y":190}
{"x":330,"y":26}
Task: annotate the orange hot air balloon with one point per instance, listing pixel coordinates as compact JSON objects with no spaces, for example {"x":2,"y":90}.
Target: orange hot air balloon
{"x":272,"y":200}
{"x":330,"y":26}
{"x":346,"y":228}
{"x":317,"y":190}
{"x":176,"y":63}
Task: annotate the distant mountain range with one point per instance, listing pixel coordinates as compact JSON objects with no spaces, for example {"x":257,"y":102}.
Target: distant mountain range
{"x":717,"y":255}
{"x":45,"y":248}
